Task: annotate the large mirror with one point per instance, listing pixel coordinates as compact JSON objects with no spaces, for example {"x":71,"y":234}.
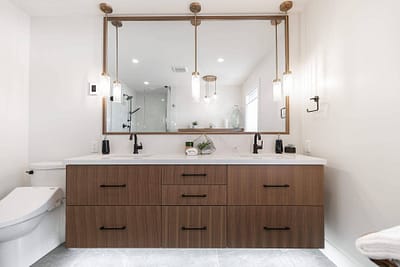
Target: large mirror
{"x":236,"y":62}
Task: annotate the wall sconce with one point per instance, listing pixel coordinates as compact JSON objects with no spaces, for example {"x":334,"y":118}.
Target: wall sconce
{"x":195,"y":8}
{"x":105,"y":80}
{"x":276,"y":83}
{"x":316,"y":100}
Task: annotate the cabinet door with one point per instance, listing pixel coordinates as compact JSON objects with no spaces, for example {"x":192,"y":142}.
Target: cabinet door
{"x":194,"y":194}
{"x":113,"y":226}
{"x":275,"y":185}
{"x":275,"y":227}
{"x":113,"y":185}
{"x":194,"y":227}
{"x":194,"y":174}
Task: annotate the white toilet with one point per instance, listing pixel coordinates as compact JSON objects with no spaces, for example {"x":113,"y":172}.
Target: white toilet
{"x":32,"y":219}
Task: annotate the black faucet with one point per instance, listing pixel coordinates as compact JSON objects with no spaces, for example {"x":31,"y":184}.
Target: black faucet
{"x":256,"y":147}
{"x":136,"y":147}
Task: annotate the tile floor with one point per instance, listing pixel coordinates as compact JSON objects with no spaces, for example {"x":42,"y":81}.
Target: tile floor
{"x":62,"y":257}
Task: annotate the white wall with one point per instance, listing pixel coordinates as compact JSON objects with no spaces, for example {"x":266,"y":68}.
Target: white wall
{"x":351,"y":56}
{"x":14,"y":96}
{"x":66,"y":54}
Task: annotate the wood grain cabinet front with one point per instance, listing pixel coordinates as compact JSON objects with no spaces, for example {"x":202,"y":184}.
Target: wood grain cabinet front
{"x":275,"y":227}
{"x":113,"y":185}
{"x":194,"y":227}
{"x":113,"y":227}
{"x":194,"y":174}
{"x":275,"y":185}
{"x":194,"y":195}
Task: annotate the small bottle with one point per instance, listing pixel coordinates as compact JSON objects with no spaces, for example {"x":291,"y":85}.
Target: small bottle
{"x":105,"y":148}
{"x":278,"y":145}
{"x":190,"y":150}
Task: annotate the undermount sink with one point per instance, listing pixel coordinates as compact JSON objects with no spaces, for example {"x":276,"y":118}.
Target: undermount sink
{"x":127,"y":156}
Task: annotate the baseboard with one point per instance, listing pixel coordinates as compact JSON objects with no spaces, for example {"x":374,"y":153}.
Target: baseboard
{"x":338,"y":257}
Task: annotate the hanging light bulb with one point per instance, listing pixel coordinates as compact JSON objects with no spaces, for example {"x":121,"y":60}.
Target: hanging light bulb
{"x":196,"y":86}
{"x":277,"y":90}
{"x":287,"y":75}
{"x":195,"y":8}
{"x":105,"y":82}
{"x":117,"y":88}
{"x":209,"y":79}
{"x":276,"y":84}
{"x":287,"y":83}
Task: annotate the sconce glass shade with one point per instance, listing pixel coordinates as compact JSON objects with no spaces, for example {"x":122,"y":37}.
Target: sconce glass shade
{"x":207,"y":99}
{"x":117,"y":92}
{"x":105,"y":85}
{"x":287,"y":83}
{"x":277,"y":90}
{"x":215,"y":96}
{"x":196,"y":86}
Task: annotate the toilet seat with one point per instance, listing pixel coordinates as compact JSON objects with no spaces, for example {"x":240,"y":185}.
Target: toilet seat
{"x":25,"y":203}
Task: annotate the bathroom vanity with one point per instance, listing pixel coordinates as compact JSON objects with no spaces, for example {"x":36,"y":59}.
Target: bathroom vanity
{"x":243,"y":201}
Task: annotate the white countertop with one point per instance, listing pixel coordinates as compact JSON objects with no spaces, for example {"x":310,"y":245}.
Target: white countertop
{"x":232,"y":159}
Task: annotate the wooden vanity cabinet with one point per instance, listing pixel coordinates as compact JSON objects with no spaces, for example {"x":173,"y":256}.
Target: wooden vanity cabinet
{"x":195,"y":206}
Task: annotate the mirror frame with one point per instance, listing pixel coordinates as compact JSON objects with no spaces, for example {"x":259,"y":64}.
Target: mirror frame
{"x":282,"y":18}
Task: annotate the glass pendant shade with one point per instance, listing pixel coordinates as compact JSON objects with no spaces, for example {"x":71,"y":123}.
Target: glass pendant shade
{"x":277,"y":90}
{"x":287,"y":83}
{"x":117,"y":92}
{"x":196,"y":87}
{"x":105,"y":84}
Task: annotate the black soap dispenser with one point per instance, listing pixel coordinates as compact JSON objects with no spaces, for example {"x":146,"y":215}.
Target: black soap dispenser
{"x":105,"y":147}
{"x":279,"y":145}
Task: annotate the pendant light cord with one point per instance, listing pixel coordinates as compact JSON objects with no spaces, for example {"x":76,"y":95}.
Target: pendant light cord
{"x":276,"y":50}
{"x":195,"y":43}
{"x":116,"y":53}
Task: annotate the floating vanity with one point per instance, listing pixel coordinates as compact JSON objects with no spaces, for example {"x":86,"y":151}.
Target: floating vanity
{"x":243,"y":201}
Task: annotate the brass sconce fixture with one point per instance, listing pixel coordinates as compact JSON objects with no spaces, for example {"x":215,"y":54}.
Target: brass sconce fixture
{"x":117,"y":87}
{"x":105,"y":81}
{"x":276,"y":83}
{"x":195,"y":8}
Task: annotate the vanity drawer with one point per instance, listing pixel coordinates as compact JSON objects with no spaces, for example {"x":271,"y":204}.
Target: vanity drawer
{"x":194,"y":195}
{"x":113,"y":226}
{"x":194,"y":174}
{"x":275,"y":185}
{"x":275,"y":227}
{"x":194,"y":227}
{"x":113,"y":185}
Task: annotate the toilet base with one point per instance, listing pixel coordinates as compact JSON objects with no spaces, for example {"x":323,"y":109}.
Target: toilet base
{"x":29,"y":248}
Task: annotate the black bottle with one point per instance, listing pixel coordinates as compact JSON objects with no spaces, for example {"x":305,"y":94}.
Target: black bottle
{"x":278,"y":146}
{"x":105,"y":148}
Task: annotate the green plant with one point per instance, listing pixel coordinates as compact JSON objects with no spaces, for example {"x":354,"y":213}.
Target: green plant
{"x":203,"y":145}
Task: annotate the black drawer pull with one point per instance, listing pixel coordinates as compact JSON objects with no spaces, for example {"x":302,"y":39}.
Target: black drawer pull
{"x":194,"y":174}
{"x":276,"y":185}
{"x":113,"y":185}
{"x":103,"y":228}
{"x":286,"y":228}
{"x":185,"y":195}
{"x":194,"y":228}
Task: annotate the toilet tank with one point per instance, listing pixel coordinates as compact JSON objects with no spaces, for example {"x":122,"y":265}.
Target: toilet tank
{"x":48,"y":174}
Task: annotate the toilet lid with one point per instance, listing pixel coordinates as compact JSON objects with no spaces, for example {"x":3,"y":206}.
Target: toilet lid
{"x":24,"y":203}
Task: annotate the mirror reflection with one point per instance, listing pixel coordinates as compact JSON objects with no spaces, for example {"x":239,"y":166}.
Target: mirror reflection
{"x":236,"y":62}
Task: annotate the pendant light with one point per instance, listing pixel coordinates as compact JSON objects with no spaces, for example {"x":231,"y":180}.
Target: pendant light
{"x":195,"y":8}
{"x":117,"y":88}
{"x":209,"y":80}
{"x":105,"y":80}
{"x":287,"y":75}
{"x":276,"y":84}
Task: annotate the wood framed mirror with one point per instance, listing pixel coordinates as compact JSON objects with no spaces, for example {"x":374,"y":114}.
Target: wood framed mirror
{"x":155,"y":65}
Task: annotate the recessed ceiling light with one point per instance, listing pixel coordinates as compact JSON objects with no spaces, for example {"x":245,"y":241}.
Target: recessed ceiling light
{"x":220,"y":60}
{"x":146,"y":83}
{"x":135,"y":61}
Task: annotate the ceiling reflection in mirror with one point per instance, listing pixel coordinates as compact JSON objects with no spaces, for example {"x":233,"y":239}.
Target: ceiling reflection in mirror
{"x":156,"y":60}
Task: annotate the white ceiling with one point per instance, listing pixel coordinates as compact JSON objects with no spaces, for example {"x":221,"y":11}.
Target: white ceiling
{"x":90,"y":7}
